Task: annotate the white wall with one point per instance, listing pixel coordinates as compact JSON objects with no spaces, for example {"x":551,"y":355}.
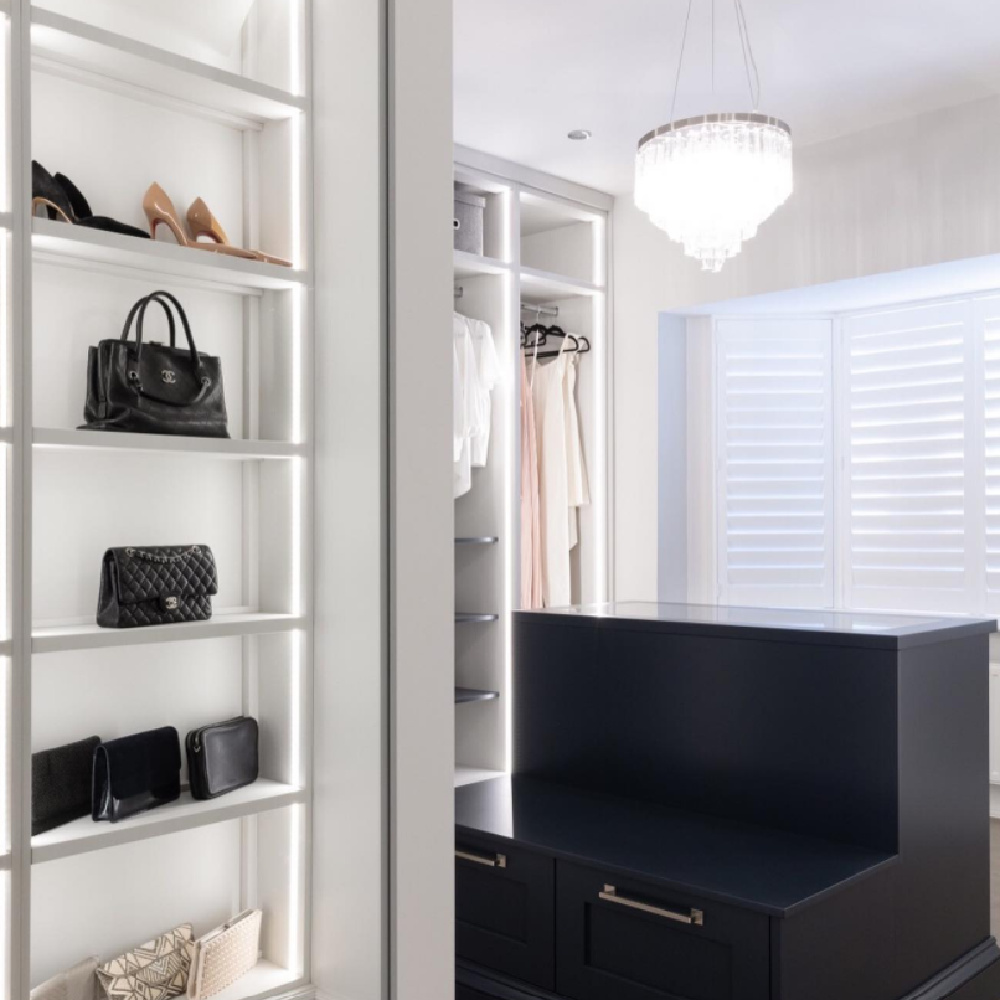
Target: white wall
{"x":909,"y":194}
{"x":421,"y":510}
{"x":350,"y":814}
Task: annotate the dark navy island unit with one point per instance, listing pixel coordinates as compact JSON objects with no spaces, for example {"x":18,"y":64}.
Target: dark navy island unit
{"x":734,"y":804}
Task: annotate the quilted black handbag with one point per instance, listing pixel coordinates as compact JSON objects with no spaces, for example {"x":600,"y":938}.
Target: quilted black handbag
{"x":150,"y":388}
{"x":157,"y":585}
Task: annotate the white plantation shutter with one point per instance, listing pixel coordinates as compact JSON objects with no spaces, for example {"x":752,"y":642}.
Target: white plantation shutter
{"x":988,"y":321}
{"x":909,"y":418}
{"x":775,"y":523}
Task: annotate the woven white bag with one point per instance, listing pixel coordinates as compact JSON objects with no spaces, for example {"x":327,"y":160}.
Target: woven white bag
{"x":224,"y":955}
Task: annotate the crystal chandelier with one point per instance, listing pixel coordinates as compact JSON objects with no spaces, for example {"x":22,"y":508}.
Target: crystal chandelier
{"x":710,"y":181}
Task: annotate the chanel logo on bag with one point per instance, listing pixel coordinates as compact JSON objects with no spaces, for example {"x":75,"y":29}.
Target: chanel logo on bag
{"x":168,"y":376}
{"x":170,"y":603}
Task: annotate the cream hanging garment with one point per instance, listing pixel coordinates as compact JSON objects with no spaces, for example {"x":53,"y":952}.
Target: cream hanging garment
{"x":579,"y":489}
{"x":531,"y":527}
{"x":549,"y":395}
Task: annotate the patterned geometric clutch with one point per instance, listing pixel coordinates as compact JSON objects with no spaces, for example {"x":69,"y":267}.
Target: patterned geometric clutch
{"x":155,"y":970}
{"x":224,"y":955}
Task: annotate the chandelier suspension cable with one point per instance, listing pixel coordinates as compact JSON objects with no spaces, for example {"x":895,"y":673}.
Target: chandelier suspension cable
{"x":713,"y":48}
{"x":749,"y":60}
{"x":680,"y":61}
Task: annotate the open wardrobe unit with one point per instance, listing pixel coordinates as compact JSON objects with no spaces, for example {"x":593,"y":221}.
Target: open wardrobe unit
{"x":532,"y":370}
{"x":194,"y":726}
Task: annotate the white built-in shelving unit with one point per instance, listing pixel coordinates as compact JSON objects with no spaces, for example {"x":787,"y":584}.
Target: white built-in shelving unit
{"x":546,"y":243}
{"x":211,"y":101}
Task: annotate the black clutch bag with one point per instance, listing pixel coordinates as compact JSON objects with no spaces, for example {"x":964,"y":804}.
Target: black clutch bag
{"x":60,"y":784}
{"x":158,"y":585}
{"x":136,"y":773}
{"x":151,"y":388}
{"x":222,"y":757}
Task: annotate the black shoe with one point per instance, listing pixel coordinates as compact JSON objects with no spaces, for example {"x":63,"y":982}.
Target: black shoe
{"x":62,"y":199}
{"x":83,"y":216}
{"x":48,"y":193}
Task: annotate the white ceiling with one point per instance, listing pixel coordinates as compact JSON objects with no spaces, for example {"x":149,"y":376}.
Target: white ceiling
{"x":528,"y":71}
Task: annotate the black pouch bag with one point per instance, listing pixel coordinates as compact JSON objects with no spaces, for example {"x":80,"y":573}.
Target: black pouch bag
{"x":136,"y":773}
{"x":222,"y":757}
{"x":60,"y":784}
{"x":156,"y":585}
{"x":149,"y":388}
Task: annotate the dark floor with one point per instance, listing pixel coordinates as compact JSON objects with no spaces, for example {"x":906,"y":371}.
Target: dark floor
{"x":995,"y":877}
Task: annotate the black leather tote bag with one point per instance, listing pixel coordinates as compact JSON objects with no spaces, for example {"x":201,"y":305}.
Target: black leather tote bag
{"x":136,"y":773}
{"x":150,"y":388}
{"x":156,"y":585}
{"x":222,"y":757}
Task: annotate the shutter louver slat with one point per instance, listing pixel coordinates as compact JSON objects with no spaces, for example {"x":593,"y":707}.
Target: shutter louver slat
{"x":991,"y":446}
{"x":906,"y":374}
{"x":775,"y":527}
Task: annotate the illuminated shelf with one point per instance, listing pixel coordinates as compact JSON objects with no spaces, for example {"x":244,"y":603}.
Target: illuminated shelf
{"x":470,"y":775}
{"x":92,"y":636}
{"x":470,"y":265}
{"x":542,"y":286}
{"x":84,"y":835}
{"x":68,"y":44}
{"x":64,"y":243}
{"x":477,"y":540}
{"x":464,"y":695}
{"x":265,"y":978}
{"x":51,"y":438}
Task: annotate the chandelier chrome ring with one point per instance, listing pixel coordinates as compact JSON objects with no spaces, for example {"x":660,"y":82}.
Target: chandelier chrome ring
{"x":741,"y":117}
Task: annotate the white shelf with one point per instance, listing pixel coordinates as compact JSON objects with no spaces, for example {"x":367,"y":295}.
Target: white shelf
{"x":66,"y":243}
{"x":468,"y":265}
{"x":266,"y":979}
{"x":59,"y":438}
{"x":470,"y":775}
{"x":104,"y":55}
{"x":4,"y":862}
{"x":6,"y":220}
{"x":84,"y":835}
{"x":92,"y":636}
{"x":544,"y":286}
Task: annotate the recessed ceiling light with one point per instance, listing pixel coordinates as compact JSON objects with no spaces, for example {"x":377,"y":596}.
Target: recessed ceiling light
{"x":579,"y":134}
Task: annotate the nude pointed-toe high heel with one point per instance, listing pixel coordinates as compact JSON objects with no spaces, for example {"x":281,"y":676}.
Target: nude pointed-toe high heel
{"x":201,"y":222}
{"x":160,"y":209}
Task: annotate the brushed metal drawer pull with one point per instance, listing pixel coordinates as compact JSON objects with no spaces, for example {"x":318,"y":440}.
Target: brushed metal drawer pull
{"x":695,"y":917}
{"x":487,"y":860}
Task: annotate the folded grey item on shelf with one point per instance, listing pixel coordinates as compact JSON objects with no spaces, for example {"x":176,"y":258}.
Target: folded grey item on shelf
{"x":78,"y":983}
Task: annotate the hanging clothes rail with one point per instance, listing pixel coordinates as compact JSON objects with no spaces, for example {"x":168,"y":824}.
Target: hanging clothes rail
{"x":552,"y":311}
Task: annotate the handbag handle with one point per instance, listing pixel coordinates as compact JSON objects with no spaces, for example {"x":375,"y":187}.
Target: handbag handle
{"x":157,"y":297}
{"x":139,"y":312}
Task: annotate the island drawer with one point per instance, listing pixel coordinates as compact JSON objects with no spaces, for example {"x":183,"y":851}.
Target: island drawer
{"x":629,"y":940}
{"x":504,"y":908}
